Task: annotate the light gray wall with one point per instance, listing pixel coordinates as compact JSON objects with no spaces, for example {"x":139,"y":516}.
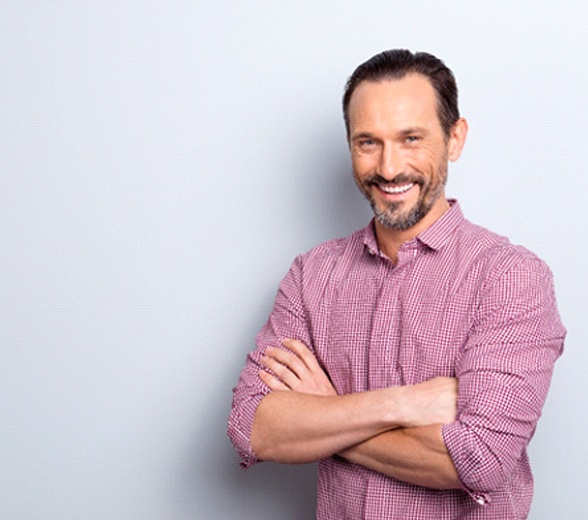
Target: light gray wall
{"x":161,"y":164}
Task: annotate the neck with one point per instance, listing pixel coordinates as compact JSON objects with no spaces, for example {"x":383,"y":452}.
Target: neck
{"x":390,"y":240}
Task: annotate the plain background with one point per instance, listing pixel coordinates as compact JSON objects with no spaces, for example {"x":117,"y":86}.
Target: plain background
{"x":162,"y":163}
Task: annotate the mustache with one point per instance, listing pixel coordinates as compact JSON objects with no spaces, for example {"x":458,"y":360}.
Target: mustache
{"x":401,"y":178}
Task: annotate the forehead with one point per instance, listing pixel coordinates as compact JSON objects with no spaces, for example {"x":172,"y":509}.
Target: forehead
{"x":389,"y":103}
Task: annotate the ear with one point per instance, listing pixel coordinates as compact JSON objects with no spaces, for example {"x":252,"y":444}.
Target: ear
{"x":457,"y":139}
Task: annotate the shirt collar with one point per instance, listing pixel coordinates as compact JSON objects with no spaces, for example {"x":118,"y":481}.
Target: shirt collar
{"x":434,"y":237}
{"x":438,"y":234}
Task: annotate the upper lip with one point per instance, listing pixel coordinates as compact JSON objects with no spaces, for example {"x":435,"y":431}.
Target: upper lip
{"x":402,"y":179}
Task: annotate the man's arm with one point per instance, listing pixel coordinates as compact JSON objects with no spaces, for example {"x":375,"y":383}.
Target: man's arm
{"x":504,"y":372}
{"x":260,"y":417}
{"x":414,"y":455}
{"x":296,"y":428}
{"x":303,"y":420}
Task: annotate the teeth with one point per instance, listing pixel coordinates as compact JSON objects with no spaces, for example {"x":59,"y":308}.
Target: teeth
{"x":396,"y":189}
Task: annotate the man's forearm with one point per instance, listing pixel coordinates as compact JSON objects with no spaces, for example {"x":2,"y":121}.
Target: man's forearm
{"x":292,"y":427}
{"x":295,"y":427}
{"x":414,"y":455}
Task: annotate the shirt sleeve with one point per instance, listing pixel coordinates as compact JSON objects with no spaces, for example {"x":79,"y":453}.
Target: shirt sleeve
{"x":287,"y":320}
{"x":504,"y":373}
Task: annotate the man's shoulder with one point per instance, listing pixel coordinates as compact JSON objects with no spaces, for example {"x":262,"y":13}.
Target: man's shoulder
{"x":478,"y":245}
{"x":328,"y":260}
{"x":335,"y":248}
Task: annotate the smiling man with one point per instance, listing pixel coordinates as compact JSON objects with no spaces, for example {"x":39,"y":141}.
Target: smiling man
{"x":411,"y":359}
{"x":400,"y":153}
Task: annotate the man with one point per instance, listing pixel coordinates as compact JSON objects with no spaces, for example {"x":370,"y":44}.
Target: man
{"x":411,"y":359}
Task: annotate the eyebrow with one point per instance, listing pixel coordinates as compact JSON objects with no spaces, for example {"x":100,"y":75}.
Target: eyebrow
{"x":362,"y":135}
{"x":414,"y":130}
{"x":403,"y":133}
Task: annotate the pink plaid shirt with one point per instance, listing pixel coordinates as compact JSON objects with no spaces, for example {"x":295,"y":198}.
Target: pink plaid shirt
{"x":461,"y":302}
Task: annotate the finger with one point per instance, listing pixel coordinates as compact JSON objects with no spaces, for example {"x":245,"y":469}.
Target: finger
{"x":314,"y":379}
{"x":288,"y":359}
{"x":273,"y":382}
{"x":281,"y":371}
{"x":304,"y":353}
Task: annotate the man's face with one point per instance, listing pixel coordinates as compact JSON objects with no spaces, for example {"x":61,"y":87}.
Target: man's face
{"x":399,"y":150}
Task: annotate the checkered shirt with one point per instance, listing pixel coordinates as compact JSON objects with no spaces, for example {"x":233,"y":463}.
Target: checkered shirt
{"x":460,"y":302}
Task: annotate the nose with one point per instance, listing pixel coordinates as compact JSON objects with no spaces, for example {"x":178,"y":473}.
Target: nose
{"x":391,"y":162}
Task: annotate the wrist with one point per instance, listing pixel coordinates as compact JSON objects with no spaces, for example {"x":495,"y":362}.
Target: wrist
{"x":398,"y":411}
{"x":422,"y":404}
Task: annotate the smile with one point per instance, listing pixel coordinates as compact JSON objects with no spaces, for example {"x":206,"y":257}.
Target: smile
{"x":396,"y":189}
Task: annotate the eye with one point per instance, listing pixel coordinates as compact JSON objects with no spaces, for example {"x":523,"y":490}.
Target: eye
{"x":366,"y":143}
{"x":412,"y":139}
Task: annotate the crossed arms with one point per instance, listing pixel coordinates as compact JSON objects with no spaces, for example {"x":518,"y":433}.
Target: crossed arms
{"x":469,"y":432}
{"x":395,"y":431}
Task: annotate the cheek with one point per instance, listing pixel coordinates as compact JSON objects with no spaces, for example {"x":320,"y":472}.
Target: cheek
{"x":363,"y":165}
{"x":425,"y":156}
{"x":429,"y":162}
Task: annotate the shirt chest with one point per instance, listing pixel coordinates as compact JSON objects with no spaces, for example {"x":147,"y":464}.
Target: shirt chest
{"x":378,"y":325}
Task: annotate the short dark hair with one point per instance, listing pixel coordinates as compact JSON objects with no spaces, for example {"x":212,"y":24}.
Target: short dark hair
{"x":396,"y":64}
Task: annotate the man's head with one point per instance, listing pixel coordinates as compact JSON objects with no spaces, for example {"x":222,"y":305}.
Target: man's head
{"x":402,"y":132}
{"x":396,"y":64}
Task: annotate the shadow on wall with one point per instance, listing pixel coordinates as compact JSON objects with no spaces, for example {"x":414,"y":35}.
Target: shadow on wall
{"x":287,"y":492}
{"x":212,"y":485}
{"x":269,"y":490}
{"x":330,"y":188}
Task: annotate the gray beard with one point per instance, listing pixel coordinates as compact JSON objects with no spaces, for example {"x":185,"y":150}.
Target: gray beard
{"x":389,"y":218}
{"x":399,"y":222}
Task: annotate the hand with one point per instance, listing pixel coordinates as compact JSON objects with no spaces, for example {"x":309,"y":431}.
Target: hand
{"x":295,"y":369}
{"x":431,"y":402}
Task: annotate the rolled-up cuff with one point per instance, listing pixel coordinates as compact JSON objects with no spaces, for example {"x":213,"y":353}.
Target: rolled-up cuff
{"x":239,"y":427}
{"x":468,"y":460}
